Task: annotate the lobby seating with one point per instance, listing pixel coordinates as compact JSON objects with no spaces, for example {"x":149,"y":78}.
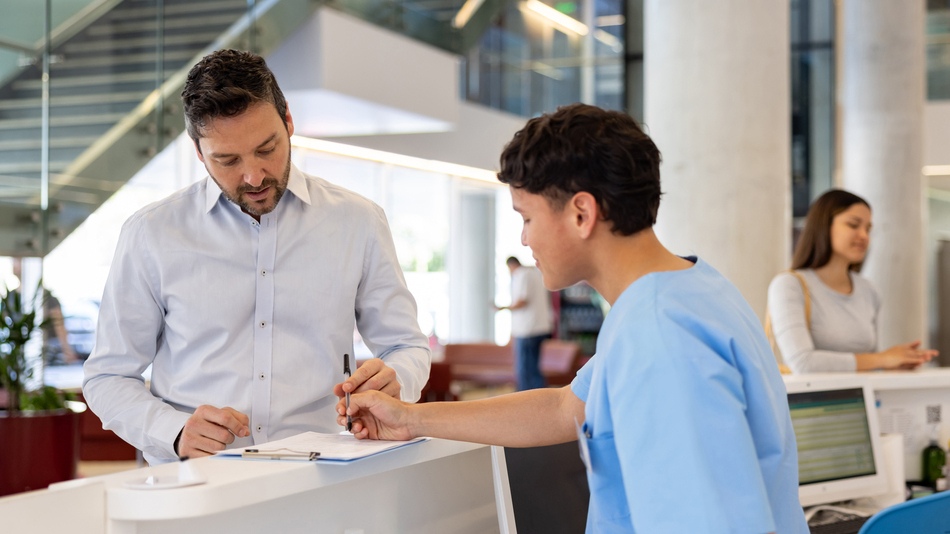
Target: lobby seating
{"x":490,"y":365}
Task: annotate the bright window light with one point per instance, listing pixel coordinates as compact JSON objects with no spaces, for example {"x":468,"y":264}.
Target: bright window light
{"x":556,"y":17}
{"x":380,"y":156}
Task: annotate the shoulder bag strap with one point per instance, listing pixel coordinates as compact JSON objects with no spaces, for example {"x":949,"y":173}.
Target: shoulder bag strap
{"x":768,"y":323}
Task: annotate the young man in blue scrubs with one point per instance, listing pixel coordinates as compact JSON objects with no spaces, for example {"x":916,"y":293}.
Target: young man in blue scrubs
{"x":681,"y":415}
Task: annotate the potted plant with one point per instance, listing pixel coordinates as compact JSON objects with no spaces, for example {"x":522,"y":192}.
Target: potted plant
{"x":40,"y":435}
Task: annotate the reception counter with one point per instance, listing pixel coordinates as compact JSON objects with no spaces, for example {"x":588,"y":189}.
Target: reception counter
{"x":915,"y":404}
{"x":433,"y":486}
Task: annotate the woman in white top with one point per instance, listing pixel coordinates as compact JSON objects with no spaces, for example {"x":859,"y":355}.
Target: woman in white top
{"x":842,"y":334}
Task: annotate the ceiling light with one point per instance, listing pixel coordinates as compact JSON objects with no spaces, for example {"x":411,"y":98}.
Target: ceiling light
{"x":466,"y":12}
{"x":936,"y":170}
{"x":380,"y":156}
{"x":556,"y":17}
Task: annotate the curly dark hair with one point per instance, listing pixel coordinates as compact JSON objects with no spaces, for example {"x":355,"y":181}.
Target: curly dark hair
{"x":585,"y":148}
{"x":224,"y":84}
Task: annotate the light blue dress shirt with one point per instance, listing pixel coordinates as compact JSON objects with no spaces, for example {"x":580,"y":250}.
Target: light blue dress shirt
{"x":254,"y":316}
{"x":687,"y":421}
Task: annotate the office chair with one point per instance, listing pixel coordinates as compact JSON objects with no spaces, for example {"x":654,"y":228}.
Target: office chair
{"x":927,"y":515}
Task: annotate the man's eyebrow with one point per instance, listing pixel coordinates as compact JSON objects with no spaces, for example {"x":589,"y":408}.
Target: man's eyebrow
{"x":222,"y":155}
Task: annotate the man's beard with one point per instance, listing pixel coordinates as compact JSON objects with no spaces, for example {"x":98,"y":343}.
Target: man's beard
{"x":253,"y":208}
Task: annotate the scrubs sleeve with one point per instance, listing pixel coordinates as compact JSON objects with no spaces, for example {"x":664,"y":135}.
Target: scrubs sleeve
{"x":580,"y":386}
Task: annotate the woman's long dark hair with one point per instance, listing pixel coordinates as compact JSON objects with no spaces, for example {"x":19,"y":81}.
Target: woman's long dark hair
{"x":814,"y":245}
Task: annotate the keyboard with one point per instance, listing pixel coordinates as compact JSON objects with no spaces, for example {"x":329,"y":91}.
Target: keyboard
{"x":841,"y":525}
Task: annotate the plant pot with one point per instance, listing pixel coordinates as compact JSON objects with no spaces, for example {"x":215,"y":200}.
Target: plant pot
{"x":39,"y":448}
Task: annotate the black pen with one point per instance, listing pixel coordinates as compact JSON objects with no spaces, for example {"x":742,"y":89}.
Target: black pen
{"x":346,"y":373}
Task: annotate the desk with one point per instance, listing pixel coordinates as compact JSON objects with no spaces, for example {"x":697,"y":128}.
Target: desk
{"x":903,"y":400}
{"x":434,"y":486}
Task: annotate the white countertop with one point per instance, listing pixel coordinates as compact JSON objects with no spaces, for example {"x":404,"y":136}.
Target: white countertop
{"x":926,"y":378}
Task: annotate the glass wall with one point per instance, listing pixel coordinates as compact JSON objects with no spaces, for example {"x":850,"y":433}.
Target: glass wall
{"x":938,"y":49}
{"x":538,"y":55}
{"x":813,"y":100}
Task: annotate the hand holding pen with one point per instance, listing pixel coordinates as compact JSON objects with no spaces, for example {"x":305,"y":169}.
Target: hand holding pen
{"x":369,"y":375}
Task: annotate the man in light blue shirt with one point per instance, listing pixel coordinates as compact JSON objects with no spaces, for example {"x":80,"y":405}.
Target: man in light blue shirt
{"x":681,"y":416}
{"x":243,"y":290}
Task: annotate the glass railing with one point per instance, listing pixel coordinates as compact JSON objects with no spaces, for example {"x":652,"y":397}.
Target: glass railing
{"x":92,"y":103}
{"x":538,"y":55}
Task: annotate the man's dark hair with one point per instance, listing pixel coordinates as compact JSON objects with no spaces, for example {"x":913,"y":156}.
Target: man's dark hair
{"x":224,"y":84}
{"x":512,"y":261}
{"x":814,"y":245}
{"x":584,"y":148}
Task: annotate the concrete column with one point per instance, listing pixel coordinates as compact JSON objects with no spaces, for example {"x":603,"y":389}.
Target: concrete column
{"x":717,"y":104}
{"x":882,"y":108}
{"x":471,"y":265}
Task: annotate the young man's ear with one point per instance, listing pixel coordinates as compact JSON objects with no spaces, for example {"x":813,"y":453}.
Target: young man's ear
{"x":585,"y":212}
{"x":201,"y":157}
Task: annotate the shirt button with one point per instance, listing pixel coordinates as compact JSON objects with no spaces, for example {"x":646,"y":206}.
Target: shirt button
{"x":262,"y":376}
{"x":263,"y":272}
{"x":259,"y":428}
{"x":262,"y":324}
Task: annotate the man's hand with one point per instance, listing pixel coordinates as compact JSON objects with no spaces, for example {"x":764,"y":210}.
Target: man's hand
{"x":373,"y":374}
{"x":210,"y":430}
{"x":377,"y":416}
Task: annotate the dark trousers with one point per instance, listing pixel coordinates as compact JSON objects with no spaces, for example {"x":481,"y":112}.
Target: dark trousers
{"x":527,"y":362}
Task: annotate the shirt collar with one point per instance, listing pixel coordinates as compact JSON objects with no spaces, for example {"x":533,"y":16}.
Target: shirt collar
{"x":296,"y":184}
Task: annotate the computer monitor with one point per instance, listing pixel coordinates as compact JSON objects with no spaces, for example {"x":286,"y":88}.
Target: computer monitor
{"x":839,"y":446}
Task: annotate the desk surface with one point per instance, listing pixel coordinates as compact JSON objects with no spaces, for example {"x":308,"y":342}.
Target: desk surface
{"x":229,"y":481}
{"x":926,"y":378}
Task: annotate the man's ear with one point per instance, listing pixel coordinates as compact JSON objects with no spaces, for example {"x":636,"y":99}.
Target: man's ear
{"x":201,"y":156}
{"x":289,"y":119}
{"x":585,"y":213}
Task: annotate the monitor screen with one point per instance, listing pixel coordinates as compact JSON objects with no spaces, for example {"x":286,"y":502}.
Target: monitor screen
{"x":839,"y":451}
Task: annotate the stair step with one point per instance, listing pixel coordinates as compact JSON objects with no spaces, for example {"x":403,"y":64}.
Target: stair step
{"x":31,"y":167}
{"x":21,"y":157}
{"x":171,"y":24}
{"x":87,"y":81}
{"x":107,"y":45}
{"x":73,"y":100}
{"x":99,"y":61}
{"x":69,"y":120}
{"x":36,"y":144}
{"x":189,"y":8}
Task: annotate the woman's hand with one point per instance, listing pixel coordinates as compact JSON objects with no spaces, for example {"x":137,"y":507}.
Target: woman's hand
{"x":904,"y":356}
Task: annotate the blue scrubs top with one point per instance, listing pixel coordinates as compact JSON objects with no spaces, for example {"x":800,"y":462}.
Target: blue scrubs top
{"x":687,"y":421}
